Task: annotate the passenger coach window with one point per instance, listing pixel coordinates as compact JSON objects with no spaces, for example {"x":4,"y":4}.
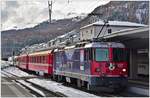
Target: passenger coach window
{"x":40,"y":59}
{"x":101,"y":55}
{"x":44,"y":59}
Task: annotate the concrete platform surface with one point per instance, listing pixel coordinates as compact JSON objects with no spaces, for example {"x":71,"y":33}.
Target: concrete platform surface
{"x":12,"y":89}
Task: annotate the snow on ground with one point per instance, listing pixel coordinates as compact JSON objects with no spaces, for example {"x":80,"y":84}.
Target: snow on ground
{"x":48,"y":84}
{"x":31,"y":87}
{"x":4,"y":63}
{"x":58,"y":87}
{"x":16,"y":71}
{"x":5,"y":74}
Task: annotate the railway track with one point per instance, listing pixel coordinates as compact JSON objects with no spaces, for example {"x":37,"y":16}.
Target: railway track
{"x":101,"y":94}
{"x":49,"y":93}
{"x":106,"y":94}
{"x":33,"y":88}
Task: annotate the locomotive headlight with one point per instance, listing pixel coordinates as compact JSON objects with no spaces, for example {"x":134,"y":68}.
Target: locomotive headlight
{"x":124,"y":70}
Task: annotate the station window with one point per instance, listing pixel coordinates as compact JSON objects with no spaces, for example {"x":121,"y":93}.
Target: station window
{"x":91,"y":31}
{"x":86,"y":31}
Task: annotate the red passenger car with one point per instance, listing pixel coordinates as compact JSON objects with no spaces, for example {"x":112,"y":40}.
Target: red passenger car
{"x":41,"y":62}
{"x":23,"y":61}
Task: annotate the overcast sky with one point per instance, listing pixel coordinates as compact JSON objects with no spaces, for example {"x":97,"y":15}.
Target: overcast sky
{"x":27,"y":13}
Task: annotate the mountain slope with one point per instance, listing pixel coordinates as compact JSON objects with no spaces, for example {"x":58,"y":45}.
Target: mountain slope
{"x":133,"y":11}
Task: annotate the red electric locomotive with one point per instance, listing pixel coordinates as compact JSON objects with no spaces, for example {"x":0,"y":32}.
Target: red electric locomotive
{"x":96,"y":64}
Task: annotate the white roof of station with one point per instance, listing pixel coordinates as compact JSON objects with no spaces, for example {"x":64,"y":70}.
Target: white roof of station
{"x":116,"y":23}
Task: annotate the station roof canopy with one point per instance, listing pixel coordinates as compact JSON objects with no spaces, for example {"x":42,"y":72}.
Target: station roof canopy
{"x":116,"y":23}
{"x":137,"y":37}
{"x":141,"y":32}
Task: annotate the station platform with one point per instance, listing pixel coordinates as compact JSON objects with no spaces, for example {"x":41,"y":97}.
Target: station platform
{"x":138,"y":87}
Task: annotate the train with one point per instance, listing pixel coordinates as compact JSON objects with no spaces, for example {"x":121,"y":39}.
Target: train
{"x":94,"y":65}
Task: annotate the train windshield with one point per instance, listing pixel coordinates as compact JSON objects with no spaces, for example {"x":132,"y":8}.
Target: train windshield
{"x":101,"y":55}
{"x":119,"y":55}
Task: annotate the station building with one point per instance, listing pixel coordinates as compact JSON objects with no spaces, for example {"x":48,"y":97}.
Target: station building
{"x":135,"y":37}
{"x":92,"y":30}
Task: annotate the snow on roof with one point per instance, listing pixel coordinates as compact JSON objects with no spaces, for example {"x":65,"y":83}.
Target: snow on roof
{"x":41,"y":53}
{"x":105,"y":45}
{"x":116,"y":23}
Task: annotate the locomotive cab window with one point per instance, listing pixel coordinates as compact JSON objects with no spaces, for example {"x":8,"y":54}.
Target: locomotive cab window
{"x":119,"y":54}
{"x":101,"y":55}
